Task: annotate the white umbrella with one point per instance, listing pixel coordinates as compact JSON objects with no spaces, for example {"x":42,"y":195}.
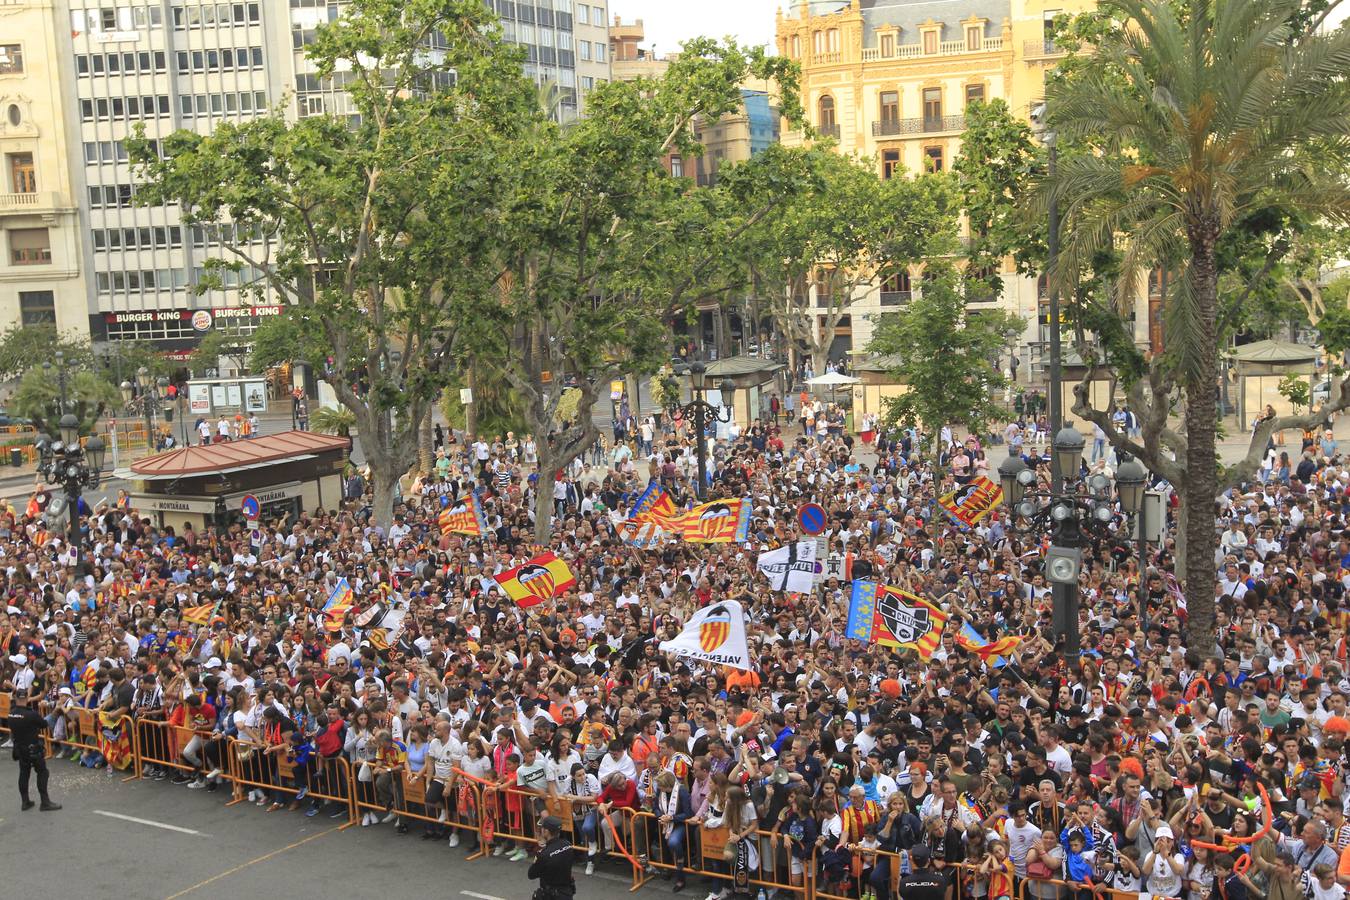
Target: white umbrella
{"x":832,"y":379}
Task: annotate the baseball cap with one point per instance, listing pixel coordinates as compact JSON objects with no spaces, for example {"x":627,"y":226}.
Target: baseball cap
{"x":551,"y":823}
{"x":214,"y":663}
{"x":919,"y":854}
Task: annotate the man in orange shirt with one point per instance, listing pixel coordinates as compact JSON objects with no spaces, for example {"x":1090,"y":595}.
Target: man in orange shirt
{"x":646,"y":743}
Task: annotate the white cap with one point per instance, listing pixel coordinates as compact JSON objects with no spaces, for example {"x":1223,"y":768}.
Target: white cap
{"x":1164,"y":831}
{"x":19,"y":659}
{"x":65,"y":692}
{"x":214,"y":663}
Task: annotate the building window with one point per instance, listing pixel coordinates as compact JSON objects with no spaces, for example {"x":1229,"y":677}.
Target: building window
{"x":11,"y":59}
{"x":583,"y":14}
{"x":796,"y":46}
{"x":584,"y":49}
{"x":890,"y":163}
{"x":677,"y":167}
{"x":932,"y":108}
{"x":895,"y":290}
{"x":890,"y":111}
{"x":826,"y":108}
{"x":932,"y":159}
{"x":29,"y":247}
{"x":974,"y":93}
{"x":1048,"y":29}
{"x":888,"y":45}
{"x":930,"y":42}
{"x":832,"y":40}
{"x":599,"y":52}
{"x":22,"y":176}
{"x":973,"y":36}
{"x":37,"y":307}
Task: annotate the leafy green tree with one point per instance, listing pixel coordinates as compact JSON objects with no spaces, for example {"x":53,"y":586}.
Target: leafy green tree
{"x":228,"y":341}
{"x":1206,"y":114}
{"x":376,"y":229}
{"x":601,"y":247}
{"x":948,"y":355}
{"x":846,"y":232}
{"x":25,"y":347}
{"x":38,"y":397}
{"x":993,"y":171}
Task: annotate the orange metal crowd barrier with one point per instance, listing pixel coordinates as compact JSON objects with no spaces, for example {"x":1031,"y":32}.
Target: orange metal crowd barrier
{"x":251,"y":769}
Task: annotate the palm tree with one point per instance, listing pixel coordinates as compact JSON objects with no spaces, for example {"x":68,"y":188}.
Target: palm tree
{"x":1198,"y":114}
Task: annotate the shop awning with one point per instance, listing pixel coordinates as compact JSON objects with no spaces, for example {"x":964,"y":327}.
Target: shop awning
{"x":235,"y":456}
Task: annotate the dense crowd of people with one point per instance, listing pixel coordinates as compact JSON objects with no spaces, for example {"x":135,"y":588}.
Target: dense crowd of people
{"x":1139,"y":765}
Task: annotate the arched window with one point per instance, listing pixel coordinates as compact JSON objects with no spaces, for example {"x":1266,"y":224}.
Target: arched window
{"x":832,"y":40}
{"x":796,"y":46}
{"x":818,"y":39}
{"x":826,"y":107}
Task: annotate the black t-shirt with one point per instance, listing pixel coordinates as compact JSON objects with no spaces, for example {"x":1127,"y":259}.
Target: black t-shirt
{"x":924,"y":884}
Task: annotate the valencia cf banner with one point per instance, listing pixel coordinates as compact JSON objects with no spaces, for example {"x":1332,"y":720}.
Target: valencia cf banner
{"x":716,"y":522}
{"x":540,"y":579}
{"x":465,"y":517}
{"x":715,"y":634}
{"x":970,"y":503}
{"x":654,"y":504}
{"x":342,"y":599}
{"x":885,"y":615}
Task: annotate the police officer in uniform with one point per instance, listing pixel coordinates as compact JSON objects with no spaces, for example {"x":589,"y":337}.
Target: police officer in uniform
{"x":25,"y":726}
{"x":553,"y":865}
{"x":923,"y":883}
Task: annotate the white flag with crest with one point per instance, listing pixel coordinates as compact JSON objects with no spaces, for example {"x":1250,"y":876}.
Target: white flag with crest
{"x":714,"y":634}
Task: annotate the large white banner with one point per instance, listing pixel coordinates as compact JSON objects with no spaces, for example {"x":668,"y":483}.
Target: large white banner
{"x":714,"y":634}
{"x":790,"y":568}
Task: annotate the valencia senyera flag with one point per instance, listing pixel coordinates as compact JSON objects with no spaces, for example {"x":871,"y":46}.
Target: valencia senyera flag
{"x":465,"y":517}
{"x":716,"y":522}
{"x":540,"y":579}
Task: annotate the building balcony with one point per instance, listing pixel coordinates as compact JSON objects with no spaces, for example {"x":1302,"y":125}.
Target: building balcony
{"x":895,"y":298}
{"x":921,"y":125}
{"x":1040,"y":49}
{"x":832,"y":57}
{"x":31,"y":203}
{"x":828,"y":130}
{"x":945,"y":48}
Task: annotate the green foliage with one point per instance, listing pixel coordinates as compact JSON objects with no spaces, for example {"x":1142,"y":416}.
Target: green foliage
{"x":38,"y":397}
{"x":569,"y":405}
{"x":993,"y":173}
{"x":497,"y":406}
{"x":1296,"y":390}
{"x":665,"y":388}
{"x":1335,"y":330}
{"x":379,"y":229}
{"x":24,"y":347}
{"x":332,"y":420}
{"x":228,"y":341}
{"x":844,"y":227}
{"x":948,"y":356}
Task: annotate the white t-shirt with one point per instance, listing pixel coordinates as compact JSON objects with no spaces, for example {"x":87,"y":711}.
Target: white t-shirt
{"x":1162,"y":880}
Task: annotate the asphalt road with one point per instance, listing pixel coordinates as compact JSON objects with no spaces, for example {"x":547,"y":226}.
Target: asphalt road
{"x":149,"y":840}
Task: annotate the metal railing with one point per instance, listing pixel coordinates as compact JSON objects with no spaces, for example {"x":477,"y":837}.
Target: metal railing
{"x":828,"y":130}
{"x":1040,"y":48}
{"x":920,"y":125}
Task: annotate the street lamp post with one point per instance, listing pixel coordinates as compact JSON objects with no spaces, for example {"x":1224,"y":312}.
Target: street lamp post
{"x":148,"y":399}
{"x":702,"y":412}
{"x":63,"y":461}
{"x":60,"y":377}
{"x":1070,"y":510}
{"x":1056,"y":398}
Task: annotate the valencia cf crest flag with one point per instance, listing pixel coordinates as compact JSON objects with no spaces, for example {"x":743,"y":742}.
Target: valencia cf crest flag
{"x":540,"y":579}
{"x":716,"y":522}
{"x":714,"y":634}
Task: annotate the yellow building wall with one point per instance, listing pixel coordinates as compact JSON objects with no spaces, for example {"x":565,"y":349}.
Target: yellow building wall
{"x":32,"y":122}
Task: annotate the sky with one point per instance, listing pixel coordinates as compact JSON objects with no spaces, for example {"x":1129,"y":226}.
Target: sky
{"x":668,"y":22}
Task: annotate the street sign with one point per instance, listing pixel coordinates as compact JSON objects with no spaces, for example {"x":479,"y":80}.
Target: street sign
{"x":250,"y":507}
{"x":811,"y":518}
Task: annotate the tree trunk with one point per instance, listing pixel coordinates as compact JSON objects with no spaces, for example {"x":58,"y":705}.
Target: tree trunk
{"x":425,"y":441}
{"x":1201,"y":484}
{"x":384,"y":476}
{"x":471,"y":408}
{"x":543,"y":496}
{"x":820,"y":356}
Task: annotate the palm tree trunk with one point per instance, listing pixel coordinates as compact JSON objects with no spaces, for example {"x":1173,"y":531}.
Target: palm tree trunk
{"x":1201,"y":417}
